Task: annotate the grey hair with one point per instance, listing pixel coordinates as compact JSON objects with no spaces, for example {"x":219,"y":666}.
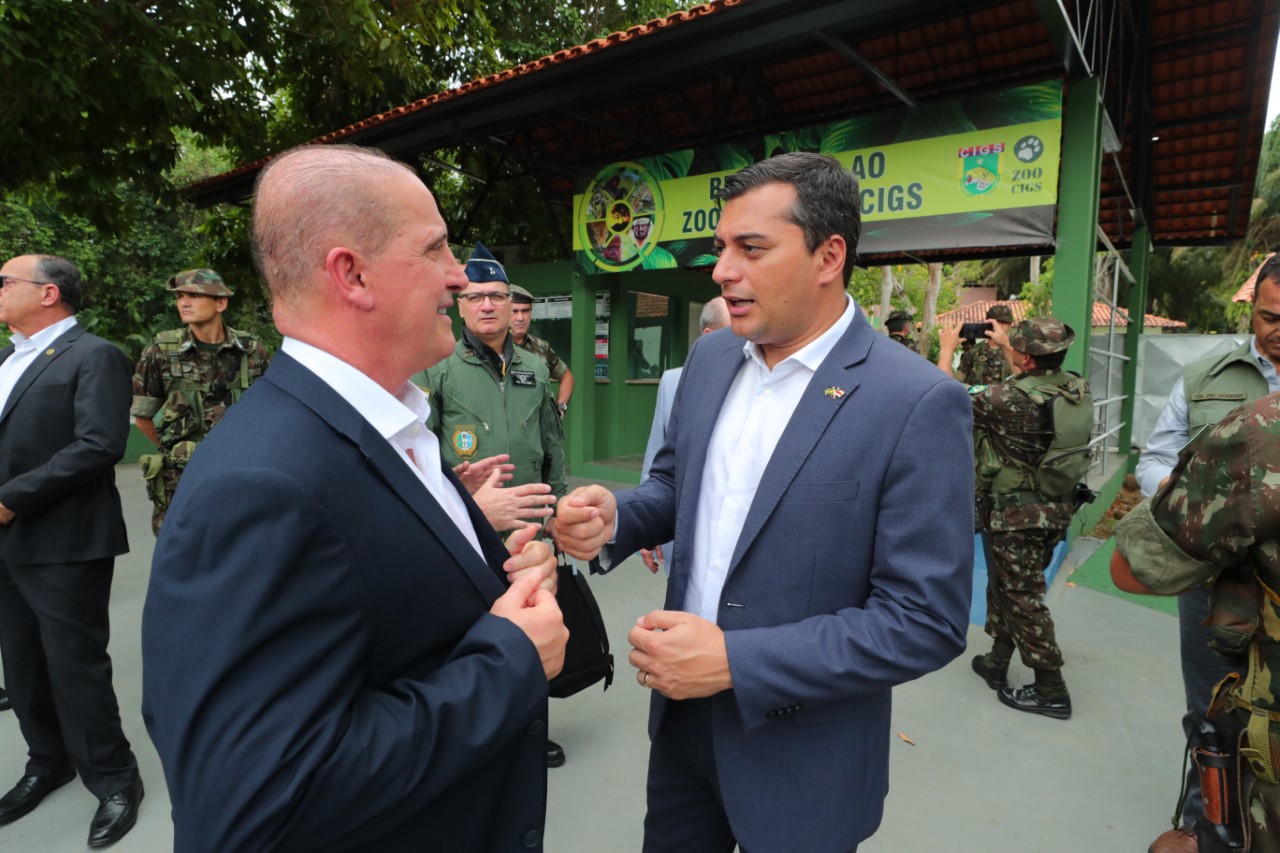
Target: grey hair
{"x":66,"y":276}
{"x":715,"y":314}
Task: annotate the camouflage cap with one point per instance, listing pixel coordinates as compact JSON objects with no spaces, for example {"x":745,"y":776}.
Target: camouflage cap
{"x":520,"y":296}
{"x":1041,"y":336}
{"x":1000,"y":313}
{"x":205,"y":282}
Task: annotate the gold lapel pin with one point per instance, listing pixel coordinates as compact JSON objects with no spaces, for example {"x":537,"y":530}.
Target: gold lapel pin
{"x":834,"y":392}
{"x":49,"y":351}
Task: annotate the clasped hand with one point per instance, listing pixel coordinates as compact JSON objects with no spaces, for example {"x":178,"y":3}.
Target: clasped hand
{"x":530,"y":600}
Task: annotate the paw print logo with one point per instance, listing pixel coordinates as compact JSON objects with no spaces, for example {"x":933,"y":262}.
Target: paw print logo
{"x":1028,"y":149}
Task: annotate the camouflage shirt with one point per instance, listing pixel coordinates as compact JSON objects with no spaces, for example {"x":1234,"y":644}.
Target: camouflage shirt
{"x":543,"y":350}
{"x":185,"y":389}
{"x":1218,"y":521}
{"x":1010,"y":431}
{"x":983,"y":364}
{"x":903,"y":338}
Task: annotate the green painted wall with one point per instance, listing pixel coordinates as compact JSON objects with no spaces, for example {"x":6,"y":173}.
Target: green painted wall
{"x":610,"y":419}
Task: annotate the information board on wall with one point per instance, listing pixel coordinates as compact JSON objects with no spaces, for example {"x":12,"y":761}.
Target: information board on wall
{"x":971,"y":172}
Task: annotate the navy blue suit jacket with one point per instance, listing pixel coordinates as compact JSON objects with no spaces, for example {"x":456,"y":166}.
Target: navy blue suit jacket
{"x":321,"y":671}
{"x":852,"y":574}
{"x":62,"y":431}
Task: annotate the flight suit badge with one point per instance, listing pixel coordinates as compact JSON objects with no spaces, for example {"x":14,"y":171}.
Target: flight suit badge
{"x":465,"y":441}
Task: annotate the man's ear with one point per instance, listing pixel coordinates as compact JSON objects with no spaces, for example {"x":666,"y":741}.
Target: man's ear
{"x":831,"y":255}
{"x":344,"y":269}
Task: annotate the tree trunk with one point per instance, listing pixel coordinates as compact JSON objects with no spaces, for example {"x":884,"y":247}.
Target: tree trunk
{"x":1035,"y":269}
{"x":930,"y":308}
{"x":886,"y":295}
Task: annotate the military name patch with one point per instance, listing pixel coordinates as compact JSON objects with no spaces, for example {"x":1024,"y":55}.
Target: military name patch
{"x":526,"y":378}
{"x":465,"y":441}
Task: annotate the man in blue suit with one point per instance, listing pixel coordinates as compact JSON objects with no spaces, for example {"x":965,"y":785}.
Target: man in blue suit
{"x":333,"y":658}
{"x":817,"y":479}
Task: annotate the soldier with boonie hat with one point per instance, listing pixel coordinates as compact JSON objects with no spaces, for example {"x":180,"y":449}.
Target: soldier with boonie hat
{"x":186,"y":378}
{"x":1031,"y":450}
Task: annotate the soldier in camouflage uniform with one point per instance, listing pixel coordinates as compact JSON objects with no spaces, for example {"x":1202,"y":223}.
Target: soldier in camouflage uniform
{"x":1013,"y":429}
{"x":1217,"y":522}
{"x":185,"y":380}
{"x":898,"y":325}
{"x":983,"y":363}
{"x":521,"y":316}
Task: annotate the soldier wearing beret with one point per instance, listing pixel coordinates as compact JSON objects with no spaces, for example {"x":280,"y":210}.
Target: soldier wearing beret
{"x":983,"y":363}
{"x":186,"y":378}
{"x":1022,"y":518}
{"x":1216,"y":522}
{"x":521,"y":316}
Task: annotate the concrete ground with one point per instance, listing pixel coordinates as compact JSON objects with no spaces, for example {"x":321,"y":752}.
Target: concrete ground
{"x":976,"y":776}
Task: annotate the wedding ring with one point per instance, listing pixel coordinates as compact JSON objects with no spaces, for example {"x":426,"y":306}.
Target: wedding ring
{"x":644,"y":680}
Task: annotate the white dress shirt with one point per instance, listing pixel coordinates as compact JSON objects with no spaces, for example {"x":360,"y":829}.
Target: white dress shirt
{"x":401,"y":420}
{"x":756,"y":410}
{"x":25,"y":351}
{"x":1173,"y":429}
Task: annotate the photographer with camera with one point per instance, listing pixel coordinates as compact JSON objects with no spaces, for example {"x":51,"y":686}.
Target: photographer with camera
{"x":983,"y":363}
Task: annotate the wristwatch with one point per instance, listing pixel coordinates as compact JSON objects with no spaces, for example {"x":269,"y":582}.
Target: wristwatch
{"x":560,"y":407}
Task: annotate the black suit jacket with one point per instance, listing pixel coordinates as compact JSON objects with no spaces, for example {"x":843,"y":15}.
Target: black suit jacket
{"x":62,"y":431}
{"x":321,"y":671}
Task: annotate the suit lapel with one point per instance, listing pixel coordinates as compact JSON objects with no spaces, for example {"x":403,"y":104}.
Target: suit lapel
{"x":44,"y":358}
{"x":315,"y":394}
{"x":810,"y":420}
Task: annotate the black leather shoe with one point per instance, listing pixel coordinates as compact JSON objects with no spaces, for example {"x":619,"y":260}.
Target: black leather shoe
{"x":555,"y":754}
{"x":996,"y":679}
{"x":5,"y":704}
{"x":116,"y":815}
{"x":1029,"y":699}
{"x":28,"y":793}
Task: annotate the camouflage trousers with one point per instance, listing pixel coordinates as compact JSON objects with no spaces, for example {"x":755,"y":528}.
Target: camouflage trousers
{"x":170,"y":478}
{"x":1016,"y":612}
{"x":1262,"y":818}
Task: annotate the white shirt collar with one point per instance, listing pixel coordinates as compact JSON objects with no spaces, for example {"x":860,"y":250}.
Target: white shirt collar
{"x":388,"y":414}
{"x":813,"y":353}
{"x":44,"y":337}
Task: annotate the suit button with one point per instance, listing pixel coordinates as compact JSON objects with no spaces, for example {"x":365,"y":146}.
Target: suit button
{"x":532,"y":838}
{"x":537,"y":727}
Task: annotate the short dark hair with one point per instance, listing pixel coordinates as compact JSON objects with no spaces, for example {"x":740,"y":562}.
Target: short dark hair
{"x":897,"y":324}
{"x":827,"y":198}
{"x":66,"y":276}
{"x":1269,"y":271}
{"x":1050,"y":360}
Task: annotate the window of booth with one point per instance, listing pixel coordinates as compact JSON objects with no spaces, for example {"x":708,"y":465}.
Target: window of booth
{"x":552,"y":320}
{"x":649,"y":341}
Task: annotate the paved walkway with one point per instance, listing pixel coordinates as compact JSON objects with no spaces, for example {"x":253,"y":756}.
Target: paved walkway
{"x":978,"y":778}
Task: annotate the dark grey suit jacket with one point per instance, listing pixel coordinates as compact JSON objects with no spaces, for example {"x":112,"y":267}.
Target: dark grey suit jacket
{"x":852,"y":574}
{"x":62,"y":432}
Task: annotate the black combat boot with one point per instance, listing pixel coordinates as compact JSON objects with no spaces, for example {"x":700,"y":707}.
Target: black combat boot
{"x":996,"y":676}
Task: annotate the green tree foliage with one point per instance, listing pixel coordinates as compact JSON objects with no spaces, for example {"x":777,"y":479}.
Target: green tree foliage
{"x":110,"y":108}
{"x":1187,"y":284}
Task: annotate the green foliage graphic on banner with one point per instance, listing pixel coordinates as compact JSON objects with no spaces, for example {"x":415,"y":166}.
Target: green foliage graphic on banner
{"x":971,"y":172}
